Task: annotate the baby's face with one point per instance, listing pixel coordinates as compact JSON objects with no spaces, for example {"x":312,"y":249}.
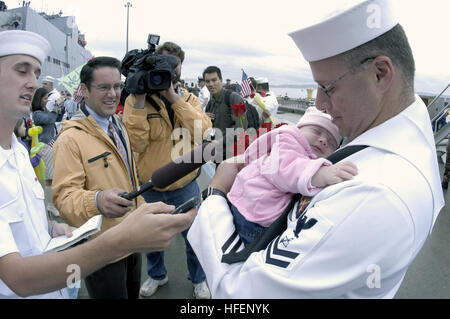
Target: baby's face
{"x":322,"y":143}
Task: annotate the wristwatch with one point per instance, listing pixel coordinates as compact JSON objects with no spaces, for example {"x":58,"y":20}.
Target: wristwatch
{"x":139,"y":107}
{"x":212,"y":191}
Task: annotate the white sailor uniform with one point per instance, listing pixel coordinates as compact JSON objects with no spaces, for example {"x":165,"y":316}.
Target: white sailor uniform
{"x":23,"y":220}
{"x":367,"y":230}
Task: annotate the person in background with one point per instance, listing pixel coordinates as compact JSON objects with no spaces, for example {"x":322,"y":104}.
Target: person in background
{"x":446,"y":176}
{"x":268,"y":97}
{"x":227,"y":84}
{"x":21,"y":132}
{"x":53,"y":93}
{"x":220,"y":111}
{"x":203,"y":96}
{"x":151,"y":121}
{"x":195,"y":89}
{"x":251,"y":100}
{"x":43,"y":117}
{"x":55,"y":101}
{"x":70,"y":106}
{"x":47,"y":120}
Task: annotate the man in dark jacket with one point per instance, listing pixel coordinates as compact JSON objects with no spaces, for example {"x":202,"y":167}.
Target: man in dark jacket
{"x":220,"y":112}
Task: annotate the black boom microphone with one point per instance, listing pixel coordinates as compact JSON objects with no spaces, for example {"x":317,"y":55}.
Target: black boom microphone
{"x":173,"y":171}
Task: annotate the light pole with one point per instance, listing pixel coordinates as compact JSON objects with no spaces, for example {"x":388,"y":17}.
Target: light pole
{"x":128,"y":5}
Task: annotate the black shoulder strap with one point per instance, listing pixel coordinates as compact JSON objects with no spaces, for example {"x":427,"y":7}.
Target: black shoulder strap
{"x":279,"y":225}
{"x":83,"y":108}
{"x":227,"y":97}
{"x":344,"y":152}
{"x":153,"y":102}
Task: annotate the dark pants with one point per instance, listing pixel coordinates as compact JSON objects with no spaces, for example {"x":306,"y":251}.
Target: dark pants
{"x":446,"y":177}
{"x":247,"y":230}
{"x":120,"y":280}
{"x":156,"y":268}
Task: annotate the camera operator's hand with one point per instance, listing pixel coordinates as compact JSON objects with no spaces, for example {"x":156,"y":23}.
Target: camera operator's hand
{"x":140,"y":101}
{"x":212,"y":116}
{"x":170,"y":94}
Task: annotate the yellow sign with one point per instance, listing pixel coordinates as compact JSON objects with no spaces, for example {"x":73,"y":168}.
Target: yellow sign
{"x":72,"y":80}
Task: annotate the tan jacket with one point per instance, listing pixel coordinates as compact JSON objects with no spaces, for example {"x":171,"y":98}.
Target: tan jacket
{"x":81,"y":170}
{"x":153,"y":137}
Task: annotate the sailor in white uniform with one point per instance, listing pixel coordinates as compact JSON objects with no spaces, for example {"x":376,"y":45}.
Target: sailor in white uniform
{"x":268,"y":97}
{"x":23,"y":221}
{"x":48,"y":83}
{"x":362,"y":234}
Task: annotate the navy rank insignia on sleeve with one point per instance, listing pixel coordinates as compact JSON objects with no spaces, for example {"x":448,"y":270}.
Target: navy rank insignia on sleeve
{"x":279,"y":255}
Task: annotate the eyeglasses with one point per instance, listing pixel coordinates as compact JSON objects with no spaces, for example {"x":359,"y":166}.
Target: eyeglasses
{"x":107,"y":87}
{"x":327,"y":89}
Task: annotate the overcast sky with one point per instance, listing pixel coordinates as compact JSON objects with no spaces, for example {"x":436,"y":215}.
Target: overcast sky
{"x":247,"y":34}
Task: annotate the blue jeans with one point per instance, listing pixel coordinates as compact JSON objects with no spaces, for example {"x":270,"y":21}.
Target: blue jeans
{"x":247,"y":230}
{"x":155,"y":261}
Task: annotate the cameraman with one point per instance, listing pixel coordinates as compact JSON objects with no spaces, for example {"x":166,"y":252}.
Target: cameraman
{"x":150,"y":120}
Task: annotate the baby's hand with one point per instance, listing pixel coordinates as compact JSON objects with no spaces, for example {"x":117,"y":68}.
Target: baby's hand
{"x":329,"y":175}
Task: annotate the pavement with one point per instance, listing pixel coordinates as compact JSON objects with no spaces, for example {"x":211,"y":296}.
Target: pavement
{"x":427,"y":278}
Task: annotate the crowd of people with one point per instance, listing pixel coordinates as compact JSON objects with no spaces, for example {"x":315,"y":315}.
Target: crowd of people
{"x":253,"y":237}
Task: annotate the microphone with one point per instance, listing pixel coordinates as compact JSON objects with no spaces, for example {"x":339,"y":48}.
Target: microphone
{"x":173,"y":171}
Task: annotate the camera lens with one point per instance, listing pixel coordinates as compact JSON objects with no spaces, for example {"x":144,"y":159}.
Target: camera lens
{"x":156,"y":79}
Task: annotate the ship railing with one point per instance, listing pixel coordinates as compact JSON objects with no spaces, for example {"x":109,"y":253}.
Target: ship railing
{"x":440,"y":112}
{"x":441,"y":108}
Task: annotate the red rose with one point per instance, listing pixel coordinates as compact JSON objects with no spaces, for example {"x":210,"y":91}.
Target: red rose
{"x":239,"y":109}
{"x":263,"y":94}
{"x":281,"y":124}
{"x":267,"y":126}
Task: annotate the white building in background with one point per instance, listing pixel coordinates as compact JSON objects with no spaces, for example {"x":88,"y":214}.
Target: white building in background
{"x":68,"y":45}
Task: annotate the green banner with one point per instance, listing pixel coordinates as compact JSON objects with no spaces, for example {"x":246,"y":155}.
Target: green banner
{"x":72,"y":80}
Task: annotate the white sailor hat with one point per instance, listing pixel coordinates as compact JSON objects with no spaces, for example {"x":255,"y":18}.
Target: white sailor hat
{"x":24,"y":42}
{"x":345,"y":30}
{"x":262,"y":80}
{"x":49,"y":78}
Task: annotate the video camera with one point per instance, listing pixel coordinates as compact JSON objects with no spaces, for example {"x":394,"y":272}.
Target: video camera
{"x":147,"y":72}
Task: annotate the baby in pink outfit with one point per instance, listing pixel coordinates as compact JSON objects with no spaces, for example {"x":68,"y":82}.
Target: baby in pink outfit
{"x":283,"y":162}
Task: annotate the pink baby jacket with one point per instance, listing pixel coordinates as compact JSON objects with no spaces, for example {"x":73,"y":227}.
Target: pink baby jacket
{"x":278,"y":164}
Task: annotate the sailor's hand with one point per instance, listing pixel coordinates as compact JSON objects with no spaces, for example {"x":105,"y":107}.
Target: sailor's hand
{"x":150,"y":227}
{"x":226,"y":173}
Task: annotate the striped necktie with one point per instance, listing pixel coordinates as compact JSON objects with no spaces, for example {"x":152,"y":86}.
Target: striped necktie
{"x":116,"y":138}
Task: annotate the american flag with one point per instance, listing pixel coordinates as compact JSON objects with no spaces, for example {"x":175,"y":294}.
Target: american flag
{"x":245,"y":86}
{"x":77,"y":95}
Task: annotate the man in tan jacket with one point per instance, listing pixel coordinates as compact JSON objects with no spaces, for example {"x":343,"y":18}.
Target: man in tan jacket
{"x":93,"y":165}
{"x":155,"y":123}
